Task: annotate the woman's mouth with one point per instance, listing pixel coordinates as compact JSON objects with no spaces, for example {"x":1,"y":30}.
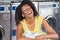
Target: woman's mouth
{"x":29,"y":13}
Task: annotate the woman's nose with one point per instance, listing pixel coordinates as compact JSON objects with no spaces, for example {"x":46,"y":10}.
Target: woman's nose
{"x":28,"y":10}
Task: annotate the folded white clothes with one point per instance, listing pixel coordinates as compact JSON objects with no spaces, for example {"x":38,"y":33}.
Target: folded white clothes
{"x":29,"y":34}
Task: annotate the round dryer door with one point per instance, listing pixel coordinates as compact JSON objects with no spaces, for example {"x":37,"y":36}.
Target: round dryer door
{"x":51,"y":21}
{"x":1,"y":33}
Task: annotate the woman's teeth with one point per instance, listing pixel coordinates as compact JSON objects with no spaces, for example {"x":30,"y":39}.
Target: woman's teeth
{"x":29,"y":13}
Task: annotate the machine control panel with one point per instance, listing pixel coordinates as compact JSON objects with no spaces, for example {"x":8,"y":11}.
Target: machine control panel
{"x":52,"y":5}
{"x":13,"y":8}
{"x":2,"y":8}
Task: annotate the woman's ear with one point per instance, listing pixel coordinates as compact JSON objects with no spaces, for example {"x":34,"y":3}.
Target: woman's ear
{"x":22,"y":15}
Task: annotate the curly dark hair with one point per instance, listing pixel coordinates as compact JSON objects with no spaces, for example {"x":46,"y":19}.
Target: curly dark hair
{"x":18,"y":12}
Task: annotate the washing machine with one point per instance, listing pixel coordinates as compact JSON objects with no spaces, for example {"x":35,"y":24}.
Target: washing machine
{"x":4,"y":21}
{"x":49,"y":11}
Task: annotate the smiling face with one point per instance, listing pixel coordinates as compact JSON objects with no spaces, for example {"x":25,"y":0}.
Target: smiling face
{"x":27,"y":11}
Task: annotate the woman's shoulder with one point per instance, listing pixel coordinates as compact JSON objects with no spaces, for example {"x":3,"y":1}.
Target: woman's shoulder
{"x":19,"y":26}
{"x":39,"y":17}
{"x":22,"y":21}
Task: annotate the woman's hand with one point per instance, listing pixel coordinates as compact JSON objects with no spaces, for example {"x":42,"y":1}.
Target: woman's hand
{"x":39,"y":37}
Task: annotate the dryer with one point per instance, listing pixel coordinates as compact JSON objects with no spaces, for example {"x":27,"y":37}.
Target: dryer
{"x":48,"y":10}
{"x":4,"y":20}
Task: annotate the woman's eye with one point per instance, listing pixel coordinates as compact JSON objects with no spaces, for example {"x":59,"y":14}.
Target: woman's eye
{"x":26,"y":9}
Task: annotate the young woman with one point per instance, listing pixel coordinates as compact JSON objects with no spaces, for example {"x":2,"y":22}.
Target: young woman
{"x":29,"y":23}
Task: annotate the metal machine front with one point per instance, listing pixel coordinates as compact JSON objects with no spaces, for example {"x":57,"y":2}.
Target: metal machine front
{"x":49,"y":10}
{"x":4,"y":21}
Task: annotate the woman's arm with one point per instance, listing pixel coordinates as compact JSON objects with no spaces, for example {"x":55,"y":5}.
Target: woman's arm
{"x":19,"y":33}
{"x":51,"y":33}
